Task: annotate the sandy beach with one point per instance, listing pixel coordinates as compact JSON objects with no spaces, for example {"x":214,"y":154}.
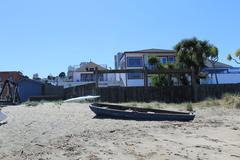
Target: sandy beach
{"x":52,"y":131}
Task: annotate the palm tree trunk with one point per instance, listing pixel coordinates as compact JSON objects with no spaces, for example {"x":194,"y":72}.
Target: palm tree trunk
{"x":215,"y":74}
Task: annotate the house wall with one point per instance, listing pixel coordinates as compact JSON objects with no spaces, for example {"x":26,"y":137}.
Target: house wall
{"x":223,"y":78}
{"x":139,"y":82}
{"x":76,"y":76}
{"x":28,"y":88}
{"x":133,"y":82}
{"x":123,"y":65}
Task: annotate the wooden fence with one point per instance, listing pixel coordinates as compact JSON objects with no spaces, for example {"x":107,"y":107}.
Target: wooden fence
{"x":82,"y":90}
{"x":140,"y":94}
{"x":216,"y":90}
{"x":168,"y":94}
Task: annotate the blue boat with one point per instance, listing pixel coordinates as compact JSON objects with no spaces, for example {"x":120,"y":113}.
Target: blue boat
{"x":140,"y":114}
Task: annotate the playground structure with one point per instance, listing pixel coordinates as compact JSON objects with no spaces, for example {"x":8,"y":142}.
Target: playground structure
{"x":9,"y":94}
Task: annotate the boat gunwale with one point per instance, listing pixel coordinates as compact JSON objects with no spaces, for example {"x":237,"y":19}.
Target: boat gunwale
{"x":167,"y":112}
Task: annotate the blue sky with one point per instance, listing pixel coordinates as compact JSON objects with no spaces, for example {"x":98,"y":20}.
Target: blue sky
{"x":45,"y":36}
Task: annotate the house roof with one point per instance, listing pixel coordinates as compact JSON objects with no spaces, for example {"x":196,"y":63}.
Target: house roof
{"x":85,"y":67}
{"x":30,"y":81}
{"x":208,"y":64}
{"x":153,"y":50}
{"x":11,"y":72}
{"x":150,"y":51}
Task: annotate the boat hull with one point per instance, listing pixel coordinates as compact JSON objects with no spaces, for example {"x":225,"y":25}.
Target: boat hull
{"x":141,"y":116}
{"x":2,"y":116}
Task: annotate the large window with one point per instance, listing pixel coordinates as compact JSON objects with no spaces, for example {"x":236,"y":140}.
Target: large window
{"x":87,"y":77}
{"x":135,"y":75}
{"x":163,"y":60}
{"x":134,"y":61}
{"x":171,"y":59}
{"x":90,"y":77}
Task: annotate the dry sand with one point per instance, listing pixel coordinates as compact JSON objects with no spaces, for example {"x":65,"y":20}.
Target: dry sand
{"x":69,"y":131}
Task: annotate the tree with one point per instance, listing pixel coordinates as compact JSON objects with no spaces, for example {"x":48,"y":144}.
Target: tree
{"x":152,"y":60}
{"x":62,"y":75}
{"x":237,"y":55}
{"x":50,"y":77}
{"x":213,"y":58}
{"x":159,"y":80}
{"x":36,"y":76}
{"x":192,"y":53}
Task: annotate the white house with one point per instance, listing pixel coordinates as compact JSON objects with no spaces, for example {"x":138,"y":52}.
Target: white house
{"x":84,"y":73}
{"x":138,"y":60}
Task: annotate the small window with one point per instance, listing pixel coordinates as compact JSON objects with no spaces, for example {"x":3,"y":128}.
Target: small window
{"x":134,"y":61}
{"x":1,"y":79}
{"x":91,"y":69}
{"x":135,"y":76}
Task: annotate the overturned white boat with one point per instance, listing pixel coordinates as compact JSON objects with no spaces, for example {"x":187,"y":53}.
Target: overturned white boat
{"x":2,"y":116}
{"x":83,"y":98}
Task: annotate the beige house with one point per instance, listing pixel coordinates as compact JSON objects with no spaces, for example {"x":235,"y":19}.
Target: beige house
{"x":85,"y":72}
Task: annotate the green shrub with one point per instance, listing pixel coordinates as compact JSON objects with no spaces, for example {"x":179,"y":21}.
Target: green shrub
{"x":31,"y":103}
{"x":189,"y":107}
{"x":237,"y":104}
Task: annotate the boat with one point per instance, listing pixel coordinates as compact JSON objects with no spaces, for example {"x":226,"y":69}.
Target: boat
{"x":2,"y":116}
{"x":140,"y":114}
{"x":81,"y":99}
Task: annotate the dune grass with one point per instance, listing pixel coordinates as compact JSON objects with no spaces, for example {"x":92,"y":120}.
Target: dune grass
{"x":228,"y":101}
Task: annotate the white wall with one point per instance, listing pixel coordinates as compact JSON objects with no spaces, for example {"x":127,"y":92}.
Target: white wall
{"x":223,"y":78}
{"x":76,"y":76}
{"x":135,"y":82}
{"x":111,"y":77}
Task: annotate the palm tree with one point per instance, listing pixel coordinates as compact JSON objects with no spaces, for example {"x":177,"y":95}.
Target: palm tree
{"x":192,"y":53}
{"x":237,"y":54}
{"x":160,"y":80}
{"x":213,"y":58}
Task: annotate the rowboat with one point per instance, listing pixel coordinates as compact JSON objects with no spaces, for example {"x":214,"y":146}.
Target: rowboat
{"x":141,"y":114}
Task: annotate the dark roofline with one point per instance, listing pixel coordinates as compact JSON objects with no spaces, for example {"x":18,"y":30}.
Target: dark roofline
{"x":153,"y":50}
{"x":11,"y":72}
{"x":34,"y":81}
{"x":97,"y":65}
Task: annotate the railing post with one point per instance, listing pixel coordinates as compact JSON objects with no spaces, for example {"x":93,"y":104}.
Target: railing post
{"x":96,"y":77}
{"x":145,"y":72}
{"x":145,"y":77}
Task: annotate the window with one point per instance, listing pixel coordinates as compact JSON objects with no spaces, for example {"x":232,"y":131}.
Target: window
{"x":87,"y":77}
{"x":163,"y":60}
{"x":135,"y":76}
{"x":91,"y":69}
{"x":134,"y":61}
{"x":1,"y":79}
{"x":10,"y":78}
{"x":90,"y":77}
{"x":171,"y":59}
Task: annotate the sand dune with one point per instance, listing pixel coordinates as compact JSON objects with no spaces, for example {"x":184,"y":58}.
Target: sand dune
{"x":69,"y":131}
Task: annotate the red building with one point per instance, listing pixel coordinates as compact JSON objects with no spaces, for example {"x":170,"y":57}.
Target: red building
{"x":9,"y":75}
